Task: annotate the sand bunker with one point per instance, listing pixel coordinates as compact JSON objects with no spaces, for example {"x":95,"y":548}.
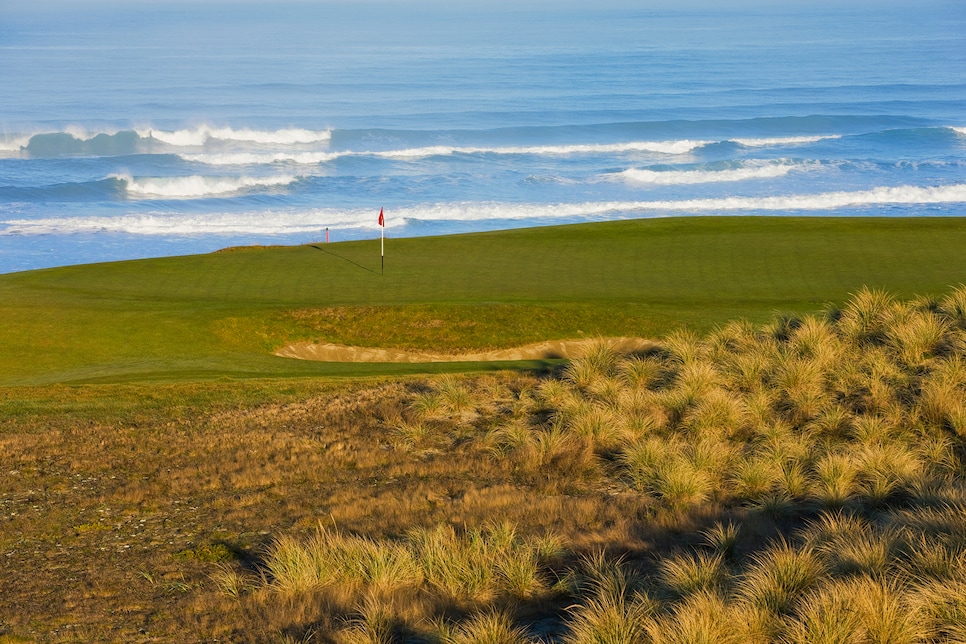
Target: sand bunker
{"x":536,"y":351}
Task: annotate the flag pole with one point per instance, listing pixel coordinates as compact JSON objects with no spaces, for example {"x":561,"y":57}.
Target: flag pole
{"x":382,"y":243}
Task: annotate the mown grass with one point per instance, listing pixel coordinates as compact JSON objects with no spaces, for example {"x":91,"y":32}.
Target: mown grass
{"x":208,"y":316}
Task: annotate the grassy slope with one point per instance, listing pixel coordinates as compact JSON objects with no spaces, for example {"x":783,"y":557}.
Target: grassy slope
{"x":218,"y":315}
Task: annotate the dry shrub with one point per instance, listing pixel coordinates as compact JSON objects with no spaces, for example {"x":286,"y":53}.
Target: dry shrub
{"x":747,"y":372}
{"x":597,"y":423}
{"x":931,"y":559}
{"x":832,"y":422}
{"x":755,"y":478}
{"x":642,"y":459}
{"x":697,"y":377}
{"x":557,"y":454}
{"x":942,"y":401}
{"x":679,"y":484}
{"x":732,"y":338}
{"x":815,"y":339}
{"x":825,"y":617}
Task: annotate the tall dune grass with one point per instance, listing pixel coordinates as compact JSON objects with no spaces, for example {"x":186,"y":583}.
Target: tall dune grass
{"x":843,"y":432}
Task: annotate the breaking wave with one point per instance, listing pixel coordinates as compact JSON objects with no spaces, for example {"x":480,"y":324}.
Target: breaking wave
{"x":201,"y":135}
{"x":194,"y":187}
{"x":788,"y":140}
{"x":750,"y":171}
{"x":315,"y":220}
{"x":256,"y":158}
{"x":75,"y":141}
{"x":670,"y":147}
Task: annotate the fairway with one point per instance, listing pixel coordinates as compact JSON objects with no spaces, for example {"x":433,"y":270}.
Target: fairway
{"x":222,"y":314}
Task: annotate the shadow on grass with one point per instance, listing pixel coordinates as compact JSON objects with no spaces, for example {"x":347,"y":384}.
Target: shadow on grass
{"x":345,"y":259}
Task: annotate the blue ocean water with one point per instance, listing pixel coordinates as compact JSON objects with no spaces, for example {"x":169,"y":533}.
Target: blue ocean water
{"x":137,"y":129}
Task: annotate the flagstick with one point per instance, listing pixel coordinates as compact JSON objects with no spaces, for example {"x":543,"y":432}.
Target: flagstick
{"x":382,"y":249}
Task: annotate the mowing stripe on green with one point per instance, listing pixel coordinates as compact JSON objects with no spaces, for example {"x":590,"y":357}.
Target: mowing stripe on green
{"x":205,"y":316}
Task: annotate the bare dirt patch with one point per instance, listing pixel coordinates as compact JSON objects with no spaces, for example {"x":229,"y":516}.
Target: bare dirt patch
{"x":567,"y":349}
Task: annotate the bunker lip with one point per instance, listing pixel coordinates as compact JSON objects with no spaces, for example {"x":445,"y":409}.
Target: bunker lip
{"x":566,"y":349}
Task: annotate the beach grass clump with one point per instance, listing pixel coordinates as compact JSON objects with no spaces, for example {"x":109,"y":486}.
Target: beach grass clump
{"x":330,"y":558}
{"x":610,"y":610}
{"x":434,"y":568}
{"x":490,"y":627}
{"x":640,"y":372}
{"x":778,"y":577}
{"x":587,"y":372}
{"x":478,"y":565}
{"x":703,"y":618}
{"x":689,"y":574}
{"x":942,"y":607}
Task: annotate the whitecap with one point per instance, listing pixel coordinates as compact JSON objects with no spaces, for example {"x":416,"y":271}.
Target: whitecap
{"x":195,"y":186}
{"x":749,"y":171}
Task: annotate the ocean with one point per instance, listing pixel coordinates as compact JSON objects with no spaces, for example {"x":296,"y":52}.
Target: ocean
{"x":147,"y":128}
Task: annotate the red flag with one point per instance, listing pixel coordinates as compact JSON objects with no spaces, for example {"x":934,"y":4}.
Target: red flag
{"x":382,"y":220}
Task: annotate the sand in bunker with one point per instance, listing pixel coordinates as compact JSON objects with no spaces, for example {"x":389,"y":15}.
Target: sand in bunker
{"x":536,"y":351}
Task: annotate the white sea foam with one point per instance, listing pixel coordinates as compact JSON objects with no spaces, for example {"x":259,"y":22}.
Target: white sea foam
{"x":683,"y":146}
{"x":83,"y":134}
{"x":786,"y":140}
{"x":161,"y":223}
{"x":255,"y":158}
{"x":313,"y":221}
{"x":959,"y":130}
{"x":823,"y":201}
{"x":315,"y":157}
{"x":12,"y":144}
{"x":753,"y":170}
{"x":194,"y":187}
{"x":200,"y":135}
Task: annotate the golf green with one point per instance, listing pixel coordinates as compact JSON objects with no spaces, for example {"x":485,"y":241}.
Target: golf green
{"x":222,"y":314}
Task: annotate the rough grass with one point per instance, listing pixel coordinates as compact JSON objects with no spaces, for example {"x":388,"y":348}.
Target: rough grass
{"x":691,"y":494}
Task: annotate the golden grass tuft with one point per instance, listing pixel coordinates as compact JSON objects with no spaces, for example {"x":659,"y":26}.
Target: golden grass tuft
{"x":689,"y":574}
{"x":779,"y":577}
{"x":612,"y":612}
{"x":486,"y":628}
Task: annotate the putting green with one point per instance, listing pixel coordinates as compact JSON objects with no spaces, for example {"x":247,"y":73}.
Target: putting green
{"x":222,"y":314}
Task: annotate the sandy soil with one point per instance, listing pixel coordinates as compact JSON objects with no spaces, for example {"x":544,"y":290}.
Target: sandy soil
{"x":536,"y":351}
